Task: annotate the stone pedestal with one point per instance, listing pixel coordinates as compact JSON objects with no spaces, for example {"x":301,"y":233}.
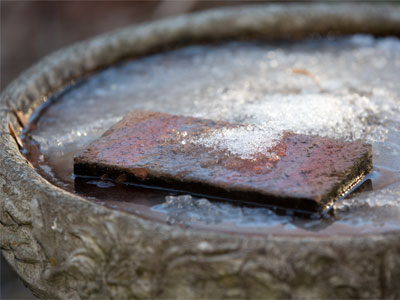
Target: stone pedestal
{"x":64,"y":246}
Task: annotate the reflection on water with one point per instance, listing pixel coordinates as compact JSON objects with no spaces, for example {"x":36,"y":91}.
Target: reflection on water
{"x":342,"y":88}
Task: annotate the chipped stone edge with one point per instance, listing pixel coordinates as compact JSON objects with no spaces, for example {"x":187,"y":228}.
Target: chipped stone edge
{"x":64,"y":246}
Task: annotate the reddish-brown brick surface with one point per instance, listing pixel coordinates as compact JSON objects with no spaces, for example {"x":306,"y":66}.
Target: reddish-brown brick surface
{"x":307,"y":172}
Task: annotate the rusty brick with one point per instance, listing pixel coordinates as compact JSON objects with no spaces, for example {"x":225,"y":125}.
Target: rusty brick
{"x":309,"y":173}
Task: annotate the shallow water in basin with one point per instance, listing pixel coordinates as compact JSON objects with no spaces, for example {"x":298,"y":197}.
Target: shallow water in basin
{"x":341,"y":88}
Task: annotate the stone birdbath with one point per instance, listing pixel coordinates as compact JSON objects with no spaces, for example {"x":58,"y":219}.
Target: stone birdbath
{"x":64,"y":245}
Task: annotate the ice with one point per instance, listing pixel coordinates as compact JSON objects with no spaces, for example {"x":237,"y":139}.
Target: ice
{"x":388,"y":197}
{"x":102,"y":184}
{"x":258,"y":87}
{"x":337,"y":116}
{"x":76,"y":135}
{"x":344,"y":88}
{"x":185,"y":209}
{"x":362,"y":40}
{"x":242,"y":141}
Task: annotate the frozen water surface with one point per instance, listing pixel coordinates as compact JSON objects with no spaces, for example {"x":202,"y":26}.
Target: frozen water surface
{"x":343,"y":88}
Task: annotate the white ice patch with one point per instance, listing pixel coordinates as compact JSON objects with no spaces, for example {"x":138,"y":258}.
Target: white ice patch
{"x":337,"y":116}
{"x":184,"y":210}
{"x":242,"y":141}
{"x":342,"y":116}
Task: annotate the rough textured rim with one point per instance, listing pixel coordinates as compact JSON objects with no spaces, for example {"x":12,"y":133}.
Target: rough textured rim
{"x":64,"y":246}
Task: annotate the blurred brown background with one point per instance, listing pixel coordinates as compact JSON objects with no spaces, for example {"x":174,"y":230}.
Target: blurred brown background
{"x":32,"y":29}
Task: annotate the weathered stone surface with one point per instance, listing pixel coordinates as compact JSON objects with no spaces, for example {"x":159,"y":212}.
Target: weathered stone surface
{"x":73,"y":248}
{"x":298,"y":171}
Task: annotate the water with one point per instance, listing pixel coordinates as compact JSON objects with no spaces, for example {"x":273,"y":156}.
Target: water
{"x":341,"y":88}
